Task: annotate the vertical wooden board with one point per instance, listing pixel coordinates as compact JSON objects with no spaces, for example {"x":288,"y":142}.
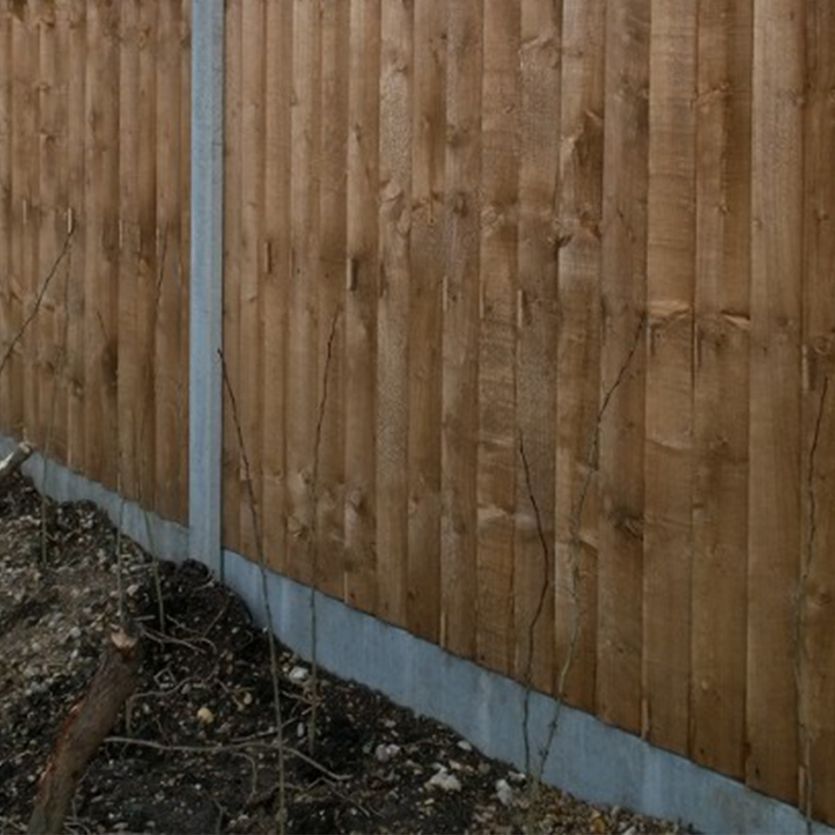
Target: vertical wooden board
{"x":279,"y":56}
{"x":360,"y":580}
{"x":392,"y":430}
{"x":185,"y":258}
{"x":252,"y":203}
{"x":668,"y":470}
{"x":51,"y":234}
{"x":817,"y":718}
{"x":76,"y":261}
{"x":423,"y":579}
{"x":18,"y":82}
{"x":6,"y":321}
{"x":30,"y":220}
{"x":101,"y":208}
{"x":459,"y":518}
{"x":58,"y":408}
{"x":231,"y":271}
{"x":130,"y":370}
{"x":536,"y":346}
{"x":774,"y":532}
{"x":330,"y":475}
{"x":720,"y":397}
{"x":302,"y":373}
{"x":578,"y":358}
{"x":23,"y":368}
{"x":621,"y":432}
{"x":147,"y":278}
{"x":167,"y":337}
{"x":502,"y":586}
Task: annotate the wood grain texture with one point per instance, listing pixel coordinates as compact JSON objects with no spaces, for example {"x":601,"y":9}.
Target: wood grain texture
{"x":231,"y":268}
{"x":720,"y":386}
{"x":774,"y":532}
{"x":392,"y":428}
{"x":502,"y":592}
{"x":251,"y":335}
{"x":362,"y":270}
{"x":461,"y":329}
{"x":302,"y":372}
{"x":184,"y":271}
{"x":540,"y":27}
{"x":76,"y":161}
{"x":6,"y":134}
{"x":817,"y":581}
{"x":578,"y":237}
{"x":52,"y":232}
{"x":101,"y":175}
{"x":130,"y":370}
{"x":276,"y":232}
{"x":668,"y":459}
{"x":24,"y":67}
{"x":423,"y":579}
{"x":330,"y":481}
{"x":147,"y":270}
{"x":167,"y":342}
{"x":621,"y":440}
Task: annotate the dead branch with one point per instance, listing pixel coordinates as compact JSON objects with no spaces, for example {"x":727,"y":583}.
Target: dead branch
{"x":84,"y":730}
{"x":14,"y":460}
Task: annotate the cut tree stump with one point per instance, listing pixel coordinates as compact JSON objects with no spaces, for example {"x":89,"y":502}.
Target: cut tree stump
{"x":85,"y":728}
{"x":13,"y":461}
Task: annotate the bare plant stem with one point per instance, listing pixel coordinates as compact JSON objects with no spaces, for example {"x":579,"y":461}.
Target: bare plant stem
{"x":314,"y":538}
{"x":38,"y":300}
{"x":262,"y":562}
{"x":574,"y":551}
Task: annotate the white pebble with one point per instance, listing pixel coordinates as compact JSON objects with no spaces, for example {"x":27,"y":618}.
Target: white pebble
{"x":504,"y":792}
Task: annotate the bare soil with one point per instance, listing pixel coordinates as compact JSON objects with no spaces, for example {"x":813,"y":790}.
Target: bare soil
{"x":195,"y":751}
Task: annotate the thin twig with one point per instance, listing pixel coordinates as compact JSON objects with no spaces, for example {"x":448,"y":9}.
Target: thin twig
{"x":314,"y":537}
{"x":289,"y":751}
{"x":575,"y":545}
{"x":38,"y":300}
{"x":262,"y":562}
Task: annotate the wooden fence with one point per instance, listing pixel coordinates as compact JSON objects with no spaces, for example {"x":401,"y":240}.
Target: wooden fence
{"x":528,"y":315}
{"x":94,"y":184}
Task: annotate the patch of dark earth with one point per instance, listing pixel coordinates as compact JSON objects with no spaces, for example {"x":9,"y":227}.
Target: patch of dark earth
{"x":195,"y":750}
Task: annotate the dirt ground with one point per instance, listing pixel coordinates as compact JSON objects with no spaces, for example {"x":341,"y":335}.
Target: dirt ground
{"x":195,"y":751}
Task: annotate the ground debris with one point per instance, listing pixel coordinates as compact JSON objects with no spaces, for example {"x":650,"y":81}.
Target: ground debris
{"x":194,"y":751}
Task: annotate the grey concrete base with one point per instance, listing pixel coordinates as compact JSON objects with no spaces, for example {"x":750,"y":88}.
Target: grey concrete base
{"x":588,"y":758}
{"x":167,"y":540}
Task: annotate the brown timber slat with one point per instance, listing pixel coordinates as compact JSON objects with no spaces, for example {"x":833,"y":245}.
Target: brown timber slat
{"x":250,"y":333}
{"x":621,"y":442}
{"x":423,"y":606}
{"x":460,"y":329}
{"x":362,"y":270}
{"x":816,"y":595}
{"x":536,"y":347}
{"x":330,"y":481}
{"x":774,"y":530}
{"x":578,"y":362}
{"x":668,"y":472}
{"x":720,"y":396}
{"x":276,"y":252}
{"x":395,"y":198}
